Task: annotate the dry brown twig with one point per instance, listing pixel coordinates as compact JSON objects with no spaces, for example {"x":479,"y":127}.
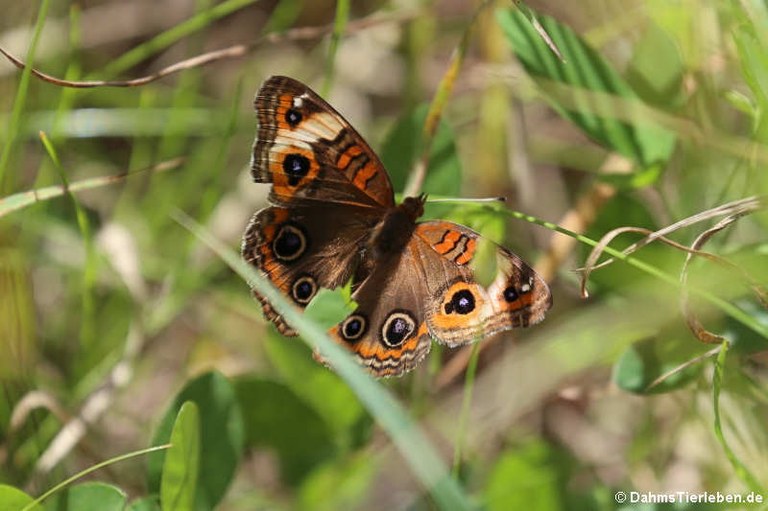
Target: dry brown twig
{"x":747,"y":205}
{"x":734,"y":210}
{"x":235,"y":51}
{"x":693,"y":322}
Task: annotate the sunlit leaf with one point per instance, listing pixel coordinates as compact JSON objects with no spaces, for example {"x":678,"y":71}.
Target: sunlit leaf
{"x":13,"y":499}
{"x":587,"y":77}
{"x":178,"y":484}
{"x":88,"y":497}
{"x":221,"y":437}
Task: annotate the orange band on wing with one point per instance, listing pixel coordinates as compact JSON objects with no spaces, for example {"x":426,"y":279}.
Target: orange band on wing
{"x":365,"y":174}
{"x":448,"y":242}
{"x":468,"y":253}
{"x":347,"y":156}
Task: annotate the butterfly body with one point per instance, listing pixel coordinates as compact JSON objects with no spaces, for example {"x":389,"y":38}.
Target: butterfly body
{"x":334,"y":220}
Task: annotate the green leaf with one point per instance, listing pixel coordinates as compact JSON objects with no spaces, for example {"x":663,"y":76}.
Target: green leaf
{"x":88,"y":497}
{"x":527,"y":478}
{"x":643,"y":362}
{"x":318,"y":386}
{"x":745,"y":340}
{"x":657,"y":80}
{"x":277,"y":419}
{"x":403,"y":146}
{"x":150,"y":503}
{"x":221,"y":435}
{"x":329,"y":307}
{"x":753,"y":54}
{"x":178,"y":483}
{"x":342,"y":484}
{"x":586,"y":90}
{"x":13,"y":499}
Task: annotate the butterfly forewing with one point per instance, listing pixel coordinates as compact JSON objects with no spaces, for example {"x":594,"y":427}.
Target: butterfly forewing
{"x":307,"y":150}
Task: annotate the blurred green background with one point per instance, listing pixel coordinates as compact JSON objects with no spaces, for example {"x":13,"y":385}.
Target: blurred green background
{"x":112,"y":314}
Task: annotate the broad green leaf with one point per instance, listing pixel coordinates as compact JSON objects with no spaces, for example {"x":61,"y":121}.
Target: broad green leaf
{"x":277,"y":419}
{"x":88,"y":497}
{"x":13,"y":499}
{"x":178,"y":484}
{"x":221,"y":437}
{"x":318,"y":386}
{"x":586,"y":90}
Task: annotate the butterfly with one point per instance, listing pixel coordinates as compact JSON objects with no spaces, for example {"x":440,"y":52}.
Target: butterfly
{"x":334,"y":220}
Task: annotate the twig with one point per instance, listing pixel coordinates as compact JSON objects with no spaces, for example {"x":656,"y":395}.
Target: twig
{"x":235,"y":51}
{"x":742,"y":205}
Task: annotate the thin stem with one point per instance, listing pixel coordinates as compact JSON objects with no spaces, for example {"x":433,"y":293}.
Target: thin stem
{"x":469,"y":383}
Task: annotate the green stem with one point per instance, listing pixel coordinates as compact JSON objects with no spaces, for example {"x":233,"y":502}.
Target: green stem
{"x":469,"y":383}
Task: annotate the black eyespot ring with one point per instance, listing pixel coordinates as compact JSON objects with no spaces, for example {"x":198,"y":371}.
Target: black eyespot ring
{"x":462,"y":302}
{"x":398,"y":327}
{"x":353,"y":328}
{"x":303,"y":289}
{"x":293,"y":116}
{"x":290,"y":243}
{"x":295,"y":166}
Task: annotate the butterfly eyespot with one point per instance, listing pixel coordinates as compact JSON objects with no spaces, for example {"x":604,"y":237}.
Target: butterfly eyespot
{"x":462,"y":302}
{"x":353,"y":327}
{"x":293,"y":117}
{"x":397,"y":328}
{"x":510,"y":294}
{"x":290,"y":243}
{"x":295,"y":167}
{"x":304,"y":289}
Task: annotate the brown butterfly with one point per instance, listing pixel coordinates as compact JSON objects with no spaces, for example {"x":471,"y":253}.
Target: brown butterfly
{"x":334,"y":219}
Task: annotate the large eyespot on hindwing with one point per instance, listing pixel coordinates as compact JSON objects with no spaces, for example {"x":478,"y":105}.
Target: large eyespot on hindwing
{"x":461,"y":302}
{"x":353,"y":328}
{"x":398,"y":327}
{"x":303,"y":289}
{"x":460,"y":298}
{"x":290,"y":242}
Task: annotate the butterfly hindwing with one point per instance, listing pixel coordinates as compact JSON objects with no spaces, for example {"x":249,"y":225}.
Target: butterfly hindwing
{"x":303,"y":248}
{"x":461,"y":309}
{"x":387,"y":332}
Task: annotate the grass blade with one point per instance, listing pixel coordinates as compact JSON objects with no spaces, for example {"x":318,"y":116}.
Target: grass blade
{"x":389,"y":414}
{"x":14,"y":125}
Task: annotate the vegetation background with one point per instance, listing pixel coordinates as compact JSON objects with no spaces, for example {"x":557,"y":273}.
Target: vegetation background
{"x":113,"y":314}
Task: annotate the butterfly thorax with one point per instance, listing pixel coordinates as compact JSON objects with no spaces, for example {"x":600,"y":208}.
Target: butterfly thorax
{"x":394,"y":231}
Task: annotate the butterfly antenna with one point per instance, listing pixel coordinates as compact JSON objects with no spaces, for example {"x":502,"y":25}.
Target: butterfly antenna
{"x":464,"y":200}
